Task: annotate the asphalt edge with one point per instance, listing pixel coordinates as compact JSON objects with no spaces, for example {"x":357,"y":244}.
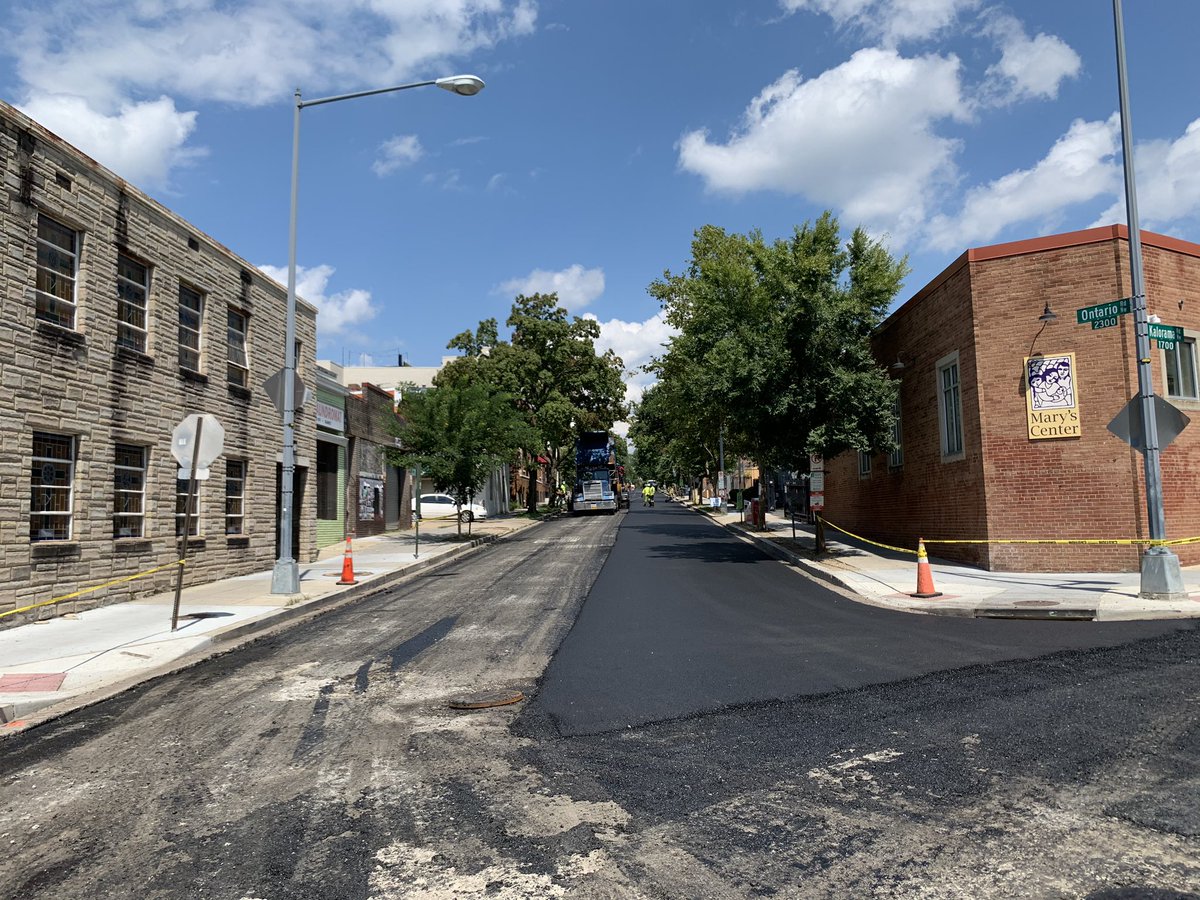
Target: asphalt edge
{"x":236,"y":636}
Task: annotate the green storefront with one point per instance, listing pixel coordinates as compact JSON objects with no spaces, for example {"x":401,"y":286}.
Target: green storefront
{"x":331,"y":460}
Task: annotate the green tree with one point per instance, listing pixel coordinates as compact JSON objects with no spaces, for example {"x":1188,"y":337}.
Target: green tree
{"x":551,"y":371}
{"x":773,"y":345}
{"x":458,"y":433}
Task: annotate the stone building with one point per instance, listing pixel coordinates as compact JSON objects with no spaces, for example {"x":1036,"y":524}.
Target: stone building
{"x":118,"y":320}
{"x":1004,"y":411}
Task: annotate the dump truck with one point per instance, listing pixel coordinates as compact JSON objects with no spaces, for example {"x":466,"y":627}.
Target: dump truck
{"x":597,"y":476}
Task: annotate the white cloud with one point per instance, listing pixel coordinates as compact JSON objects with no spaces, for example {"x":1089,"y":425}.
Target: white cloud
{"x":402,"y":150}
{"x":1168,"y":182}
{"x":859,"y":137}
{"x":141,"y":142}
{"x":1029,"y":68}
{"x":108,"y":56}
{"x":636,"y":343}
{"x":1079,"y":167}
{"x":889,"y":21}
{"x":576,"y":286}
{"x":339,"y":312}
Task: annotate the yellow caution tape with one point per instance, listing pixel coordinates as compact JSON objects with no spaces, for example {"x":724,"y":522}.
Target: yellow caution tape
{"x":99,"y":587}
{"x":859,"y":537}
{"x":1120,"y":542}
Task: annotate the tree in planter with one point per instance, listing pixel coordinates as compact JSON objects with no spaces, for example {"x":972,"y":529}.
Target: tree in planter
{"x":458,"y":432}
{"x":551,"y":371}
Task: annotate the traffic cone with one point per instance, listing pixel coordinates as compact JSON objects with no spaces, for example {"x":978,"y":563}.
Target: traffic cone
{"x":348,"y":565}
{"x":925,"y":588}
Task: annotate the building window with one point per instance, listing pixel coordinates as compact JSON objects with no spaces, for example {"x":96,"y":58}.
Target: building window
{"x":191,"y":315}
{"x":864,"y":464}
{"x":235,"y":496}
{"x":896,"y":457}
{"x":129,"y":491}
{"x":1181,"y":370}
{"x":133,"y":287}
{"x":51,"y":483}
{"x":181,"y":499}
{"x":239,"y":364}
{"x":949,"y":407}
{"x":57,"y":265}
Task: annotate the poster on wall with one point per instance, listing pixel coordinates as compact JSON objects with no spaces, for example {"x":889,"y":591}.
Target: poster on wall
{"x":370,"y":499}
{"x":1052,"y":396}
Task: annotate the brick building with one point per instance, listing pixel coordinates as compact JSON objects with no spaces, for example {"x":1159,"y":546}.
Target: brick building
{"x":118,"y":320}
{"x":1003,"y":416}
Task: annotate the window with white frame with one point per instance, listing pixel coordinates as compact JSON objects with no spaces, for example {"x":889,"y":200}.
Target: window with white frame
{"x":896,"y":457}
{"x":181,"y":508}
{"x":1181,"y":370}
{"x":57,"y":267}
{"x":191,"y":317}
{"x":864,"y":464}
{"x":235,"y":496}
{"x":239,"y":362}
{"x":129,"y":491}
{"x":51,"y":485}
{"x":133,"y":287}
{"x":949,"y":407}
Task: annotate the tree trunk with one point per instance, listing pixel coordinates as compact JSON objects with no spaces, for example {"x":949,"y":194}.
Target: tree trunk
{"x":532,"y":498}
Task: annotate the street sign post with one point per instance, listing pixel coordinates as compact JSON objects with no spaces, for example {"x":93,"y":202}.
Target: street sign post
{"x":1103,"y":315}
{"x":195,"y":443}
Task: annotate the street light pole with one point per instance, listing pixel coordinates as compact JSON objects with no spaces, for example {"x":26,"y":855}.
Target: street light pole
{"x":285,"y":579}
{"x":1161,"y":575}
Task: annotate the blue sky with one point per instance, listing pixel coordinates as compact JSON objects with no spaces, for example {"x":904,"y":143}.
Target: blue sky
{"x":608,"y":132}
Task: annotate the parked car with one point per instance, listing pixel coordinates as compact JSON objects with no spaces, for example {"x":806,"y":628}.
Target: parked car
{"x":442,"y":506}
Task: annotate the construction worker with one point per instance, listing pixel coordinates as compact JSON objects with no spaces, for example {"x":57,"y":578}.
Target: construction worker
{"x":648,"y":495}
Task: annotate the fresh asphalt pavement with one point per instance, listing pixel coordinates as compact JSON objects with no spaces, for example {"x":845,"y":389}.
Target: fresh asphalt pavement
{"x":686,"y":618}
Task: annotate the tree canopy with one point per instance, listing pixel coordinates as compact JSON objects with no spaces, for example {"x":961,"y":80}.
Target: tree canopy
{"x":458,"y":433}
{"x":549,"y":370}
{"x":773,"y":345}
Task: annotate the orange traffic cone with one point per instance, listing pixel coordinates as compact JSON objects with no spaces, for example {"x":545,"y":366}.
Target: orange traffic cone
{"x":925,"y":588}
{"x":348,"y":565}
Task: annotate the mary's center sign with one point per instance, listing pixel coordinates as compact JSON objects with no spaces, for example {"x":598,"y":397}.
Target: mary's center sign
{"x":1052,"y":397}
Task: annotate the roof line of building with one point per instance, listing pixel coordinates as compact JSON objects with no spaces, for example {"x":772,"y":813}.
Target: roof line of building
{"x":21,"y":120}
{"x":1041,"y":244}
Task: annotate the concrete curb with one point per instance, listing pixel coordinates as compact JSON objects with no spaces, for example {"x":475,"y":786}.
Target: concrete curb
{"x":244,"y":633}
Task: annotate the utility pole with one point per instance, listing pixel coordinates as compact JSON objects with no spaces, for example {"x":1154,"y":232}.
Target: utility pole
{"x":1161,"y":575}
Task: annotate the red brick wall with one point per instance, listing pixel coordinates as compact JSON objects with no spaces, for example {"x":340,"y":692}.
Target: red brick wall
{"x":926,"y":497}
{"x":1008,"y":487}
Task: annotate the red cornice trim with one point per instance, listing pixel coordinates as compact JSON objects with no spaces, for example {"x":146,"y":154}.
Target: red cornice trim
{"x":1040,"y":245}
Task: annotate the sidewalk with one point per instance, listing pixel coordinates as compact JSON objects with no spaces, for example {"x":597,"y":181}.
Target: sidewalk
{"x":885,"y":578}
{"x":50,"y":666}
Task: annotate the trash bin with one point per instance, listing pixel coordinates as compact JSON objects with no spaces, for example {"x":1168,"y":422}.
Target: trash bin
{"x":755,"y":505}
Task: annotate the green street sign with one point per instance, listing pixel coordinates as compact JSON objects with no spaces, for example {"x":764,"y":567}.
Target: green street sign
{"x":1103,"y":315}
{"x":1165,"y":332}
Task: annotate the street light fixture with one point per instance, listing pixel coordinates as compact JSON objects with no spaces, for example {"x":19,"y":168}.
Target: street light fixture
{"x":285,"y":579}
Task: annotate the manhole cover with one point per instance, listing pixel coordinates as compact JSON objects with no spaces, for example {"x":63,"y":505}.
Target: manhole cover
{"x":1036,"y":603}
{"x":486,"y":700}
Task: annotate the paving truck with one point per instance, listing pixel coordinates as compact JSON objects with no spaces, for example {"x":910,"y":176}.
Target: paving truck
{"x":597,"y":476}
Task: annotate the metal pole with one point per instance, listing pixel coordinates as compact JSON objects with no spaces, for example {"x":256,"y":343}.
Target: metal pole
{"x":721,"y":455}
{"x":1161,"y":575}
{"x":285,"y":579}
{"x":187,"y":522}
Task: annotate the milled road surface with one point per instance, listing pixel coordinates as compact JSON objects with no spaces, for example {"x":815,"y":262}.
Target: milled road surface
{"x":714,"y":725}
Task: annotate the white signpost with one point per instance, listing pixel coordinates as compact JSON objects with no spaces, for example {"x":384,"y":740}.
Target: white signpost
{"x":195,"y":443}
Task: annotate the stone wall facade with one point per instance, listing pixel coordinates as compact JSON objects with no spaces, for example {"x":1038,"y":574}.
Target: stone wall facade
{"x":115,"y":326}
{"x":985,"y":310}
